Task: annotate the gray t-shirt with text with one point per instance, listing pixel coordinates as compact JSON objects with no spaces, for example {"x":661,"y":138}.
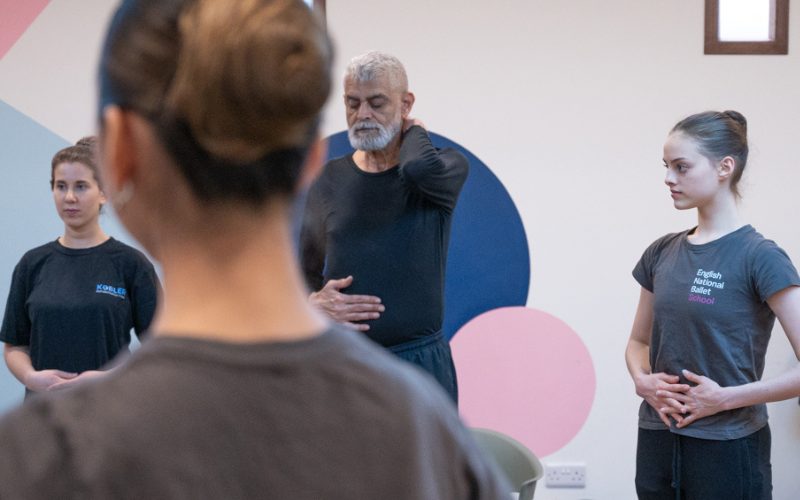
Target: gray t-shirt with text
{"x":711,"y":317}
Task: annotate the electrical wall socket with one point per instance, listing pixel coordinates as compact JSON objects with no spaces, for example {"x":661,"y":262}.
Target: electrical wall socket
{"x":565,"y":475}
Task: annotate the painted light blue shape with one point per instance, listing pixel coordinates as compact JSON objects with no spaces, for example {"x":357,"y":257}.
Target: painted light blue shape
{"x":488,"y":263}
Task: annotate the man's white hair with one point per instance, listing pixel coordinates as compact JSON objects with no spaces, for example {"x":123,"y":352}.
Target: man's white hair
{"x":372,"y":65}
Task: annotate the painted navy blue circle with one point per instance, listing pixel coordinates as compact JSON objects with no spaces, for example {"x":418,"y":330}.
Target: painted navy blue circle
{"x":488,"y":264}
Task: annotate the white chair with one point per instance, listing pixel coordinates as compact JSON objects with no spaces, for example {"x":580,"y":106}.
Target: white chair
{"x":519,"y":464}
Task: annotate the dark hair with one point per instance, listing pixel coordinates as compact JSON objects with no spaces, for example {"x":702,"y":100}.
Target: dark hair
{"x":719,"y":134}
{"x":234,"y":88}
{"x":84,"y":152}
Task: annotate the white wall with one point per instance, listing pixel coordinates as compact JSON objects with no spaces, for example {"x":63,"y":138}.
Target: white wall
{"x":568,"y":103}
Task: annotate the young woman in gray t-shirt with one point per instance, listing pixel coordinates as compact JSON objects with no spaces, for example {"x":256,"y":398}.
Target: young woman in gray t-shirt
{"x":708,"y":302}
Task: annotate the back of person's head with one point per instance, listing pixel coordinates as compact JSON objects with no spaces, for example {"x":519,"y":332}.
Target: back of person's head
{"x":233,"y":88}
{"x":372,"y":65}
{"x":84,"y":152}
{"x":719,"y":134}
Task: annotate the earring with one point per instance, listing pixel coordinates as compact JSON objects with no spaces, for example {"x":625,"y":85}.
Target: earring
{"x":123,"y":196}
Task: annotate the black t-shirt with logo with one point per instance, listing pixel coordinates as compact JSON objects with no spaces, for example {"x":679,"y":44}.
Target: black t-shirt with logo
{"x":75,"y":308}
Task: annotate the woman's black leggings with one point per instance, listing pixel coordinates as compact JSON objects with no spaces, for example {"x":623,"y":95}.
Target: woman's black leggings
{"x":670,"y":466}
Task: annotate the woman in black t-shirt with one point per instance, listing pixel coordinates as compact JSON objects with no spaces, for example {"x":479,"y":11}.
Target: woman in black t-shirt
{"x":73,"y":301}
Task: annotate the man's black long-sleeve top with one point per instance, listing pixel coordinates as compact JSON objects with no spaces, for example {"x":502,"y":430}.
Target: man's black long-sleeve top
{"x":390,"y":231}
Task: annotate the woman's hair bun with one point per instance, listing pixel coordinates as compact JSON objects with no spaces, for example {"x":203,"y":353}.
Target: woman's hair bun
{"x":90,"y":141}
{"x":737,"y":117}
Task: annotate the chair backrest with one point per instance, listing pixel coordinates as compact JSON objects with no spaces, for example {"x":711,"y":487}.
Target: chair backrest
{"x":519,"y":464}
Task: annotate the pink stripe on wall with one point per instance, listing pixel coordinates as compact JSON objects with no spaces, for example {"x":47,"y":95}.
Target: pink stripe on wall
{"x":15,"y":17}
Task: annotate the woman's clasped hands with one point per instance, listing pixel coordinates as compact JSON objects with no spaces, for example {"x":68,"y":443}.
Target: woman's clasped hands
{"x":683,"y":403}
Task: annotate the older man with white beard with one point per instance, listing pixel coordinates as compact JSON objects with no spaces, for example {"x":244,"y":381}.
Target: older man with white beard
{"x":377,"y":222}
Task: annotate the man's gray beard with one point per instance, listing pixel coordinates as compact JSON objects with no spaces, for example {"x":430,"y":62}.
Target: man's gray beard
{"x":373,"y":141}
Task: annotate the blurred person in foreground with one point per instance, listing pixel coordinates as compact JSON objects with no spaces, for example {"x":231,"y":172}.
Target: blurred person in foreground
{"x":209,"y":114}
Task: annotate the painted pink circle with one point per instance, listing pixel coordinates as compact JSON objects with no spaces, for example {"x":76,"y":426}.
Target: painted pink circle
{"x":525,"y":373}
